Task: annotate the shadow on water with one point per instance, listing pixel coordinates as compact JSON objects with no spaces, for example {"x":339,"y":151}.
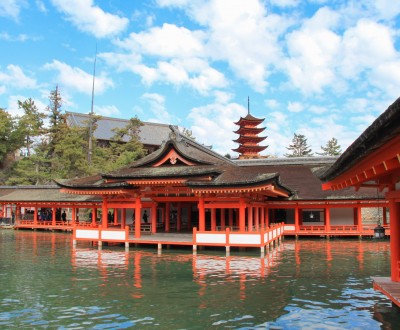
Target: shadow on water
{"x":304,"y":284}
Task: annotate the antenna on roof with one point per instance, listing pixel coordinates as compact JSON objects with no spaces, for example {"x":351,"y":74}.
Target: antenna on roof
{"x":248,"y":105}
{"x":91,"y":112}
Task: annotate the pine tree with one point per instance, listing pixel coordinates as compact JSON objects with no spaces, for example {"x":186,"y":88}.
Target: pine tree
{"x":331,"y":148}
{"x":8,"y":135}
{"x":30,"y":125}
{"x":299,"y":147}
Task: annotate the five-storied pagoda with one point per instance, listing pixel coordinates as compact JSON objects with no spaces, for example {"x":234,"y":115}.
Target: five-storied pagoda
{"x":248,"y":136}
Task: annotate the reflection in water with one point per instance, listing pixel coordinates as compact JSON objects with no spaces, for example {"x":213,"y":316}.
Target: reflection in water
{"x":300,"y":284}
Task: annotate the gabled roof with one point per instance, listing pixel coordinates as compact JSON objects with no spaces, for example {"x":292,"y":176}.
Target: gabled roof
{"x":150,"y":133}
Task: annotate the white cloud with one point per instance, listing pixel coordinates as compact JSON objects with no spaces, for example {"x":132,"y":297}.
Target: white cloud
{"x":107,"y":110}
{"x":213,"y":125}
{"x":76,"y":79}
{"x":295,"y":107}
{"x":11,"y":8}
{"x":90,"y":18}
{"x":285,"y":3}
{"x":14,"y":77}
{"x":313,"y":52}
{"x":388,"y":9}
{"x":167,"y":41}
{"x":272,"y":104}
{"x":157,"y":107}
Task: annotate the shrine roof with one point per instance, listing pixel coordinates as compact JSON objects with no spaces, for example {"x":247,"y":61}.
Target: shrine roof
{"x":382,"y":130}
{"x":186,"y":147}
{"x":38,"y":194}
{"x":149,"y":133}
{"x":299,"y":174}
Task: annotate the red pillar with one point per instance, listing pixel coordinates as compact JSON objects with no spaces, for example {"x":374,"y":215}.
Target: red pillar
{"x":94,"y":217}
{"x":189,"y":211}
{"x":359,"y":219}
{"x":266,"y":217}
{"x":53,"y":216}
{"x":104,"y":214}
{"x":222,"y":219}
{"x":35,"y":216}
{"x":394,"y":208}
{"x":123,"y":218}
{"x":250,"y":211}
{"x":202,"y":215}
{"x":242,"y":214}
{"x":154,"y":218}
{"x":297,"y":219}
{"x":327,"y":219}
{"x":167,"y":216}
{"x":73,"y":216}
{"x":138,"y":213}
{"x":115,"y":216}
{"x":257,"y":218}
{"x":213,"y":219}
{"x":179,"y":218}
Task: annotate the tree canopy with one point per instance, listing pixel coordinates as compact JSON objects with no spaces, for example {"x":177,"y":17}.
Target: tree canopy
{"x":299,"y":147}
{"x":331,"y":148}
{"x":58,"y":151}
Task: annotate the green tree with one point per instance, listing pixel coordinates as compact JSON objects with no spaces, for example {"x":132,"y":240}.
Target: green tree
{"x":125,"y":146}
{"x":57,"y":121}
{"x":8,"y":135}
{"x":331,"y":148}
{"x":299,"y":147}
{"x":30,"y":124}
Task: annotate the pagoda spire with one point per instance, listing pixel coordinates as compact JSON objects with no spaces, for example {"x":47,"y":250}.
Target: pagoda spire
{"x":249,"y":138}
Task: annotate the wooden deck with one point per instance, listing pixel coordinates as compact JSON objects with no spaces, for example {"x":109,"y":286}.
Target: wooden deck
{"x":389,"y":288}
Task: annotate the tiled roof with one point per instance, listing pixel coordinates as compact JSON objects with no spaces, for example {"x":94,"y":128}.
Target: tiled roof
{"x":150,"y":133}
{"x":37,"y":194}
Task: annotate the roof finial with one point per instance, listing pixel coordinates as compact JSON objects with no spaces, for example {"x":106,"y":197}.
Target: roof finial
{"x":248,"y":105}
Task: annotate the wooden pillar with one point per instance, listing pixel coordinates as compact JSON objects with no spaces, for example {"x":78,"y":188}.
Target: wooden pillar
{"x":394,"y":208}
{"x":266,"y":214}
{"x":231,"y":218}
{"x":167,"y":216}
{"x":297,"y":219}
{"x":138,"y":213}
{"x":262,"y":218}
{"x":213,"y":219}
{"x":73,"y":215}
{"x":35,"y":216}
{"x":222,"y":219}
{"x":53,"y":216}
{"x":154,"y":218}
{"x":327,"y":219}
{"x":189,"y":214}
{"x":257,"y":218}
{"x":179,"y":218}
{"x":359,"y":219}
{"x":115,"y":216}
{"x":94,"y":217}
{"x":242,"y":214}
{"x":202,"y":214}
{"x":123,"y":218}
{"x":250,"y":217}
{"x":104,"y":215}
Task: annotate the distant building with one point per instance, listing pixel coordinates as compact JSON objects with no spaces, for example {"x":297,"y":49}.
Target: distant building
{"x":151,"y":135}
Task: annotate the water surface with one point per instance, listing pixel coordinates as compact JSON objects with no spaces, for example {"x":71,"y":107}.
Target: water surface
{"x":305,"y":284}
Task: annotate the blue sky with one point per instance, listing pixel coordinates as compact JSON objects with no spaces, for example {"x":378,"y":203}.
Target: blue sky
{"x":319,"y":68}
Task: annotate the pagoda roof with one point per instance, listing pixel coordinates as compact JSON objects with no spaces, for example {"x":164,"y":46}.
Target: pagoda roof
{"x":252,"y":130}
{"x":245,"y":148}
{"x":249,"y":138}
{"x":249,"y":118}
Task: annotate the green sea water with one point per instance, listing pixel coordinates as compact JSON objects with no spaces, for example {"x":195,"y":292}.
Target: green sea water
{"x":307,"y":284}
